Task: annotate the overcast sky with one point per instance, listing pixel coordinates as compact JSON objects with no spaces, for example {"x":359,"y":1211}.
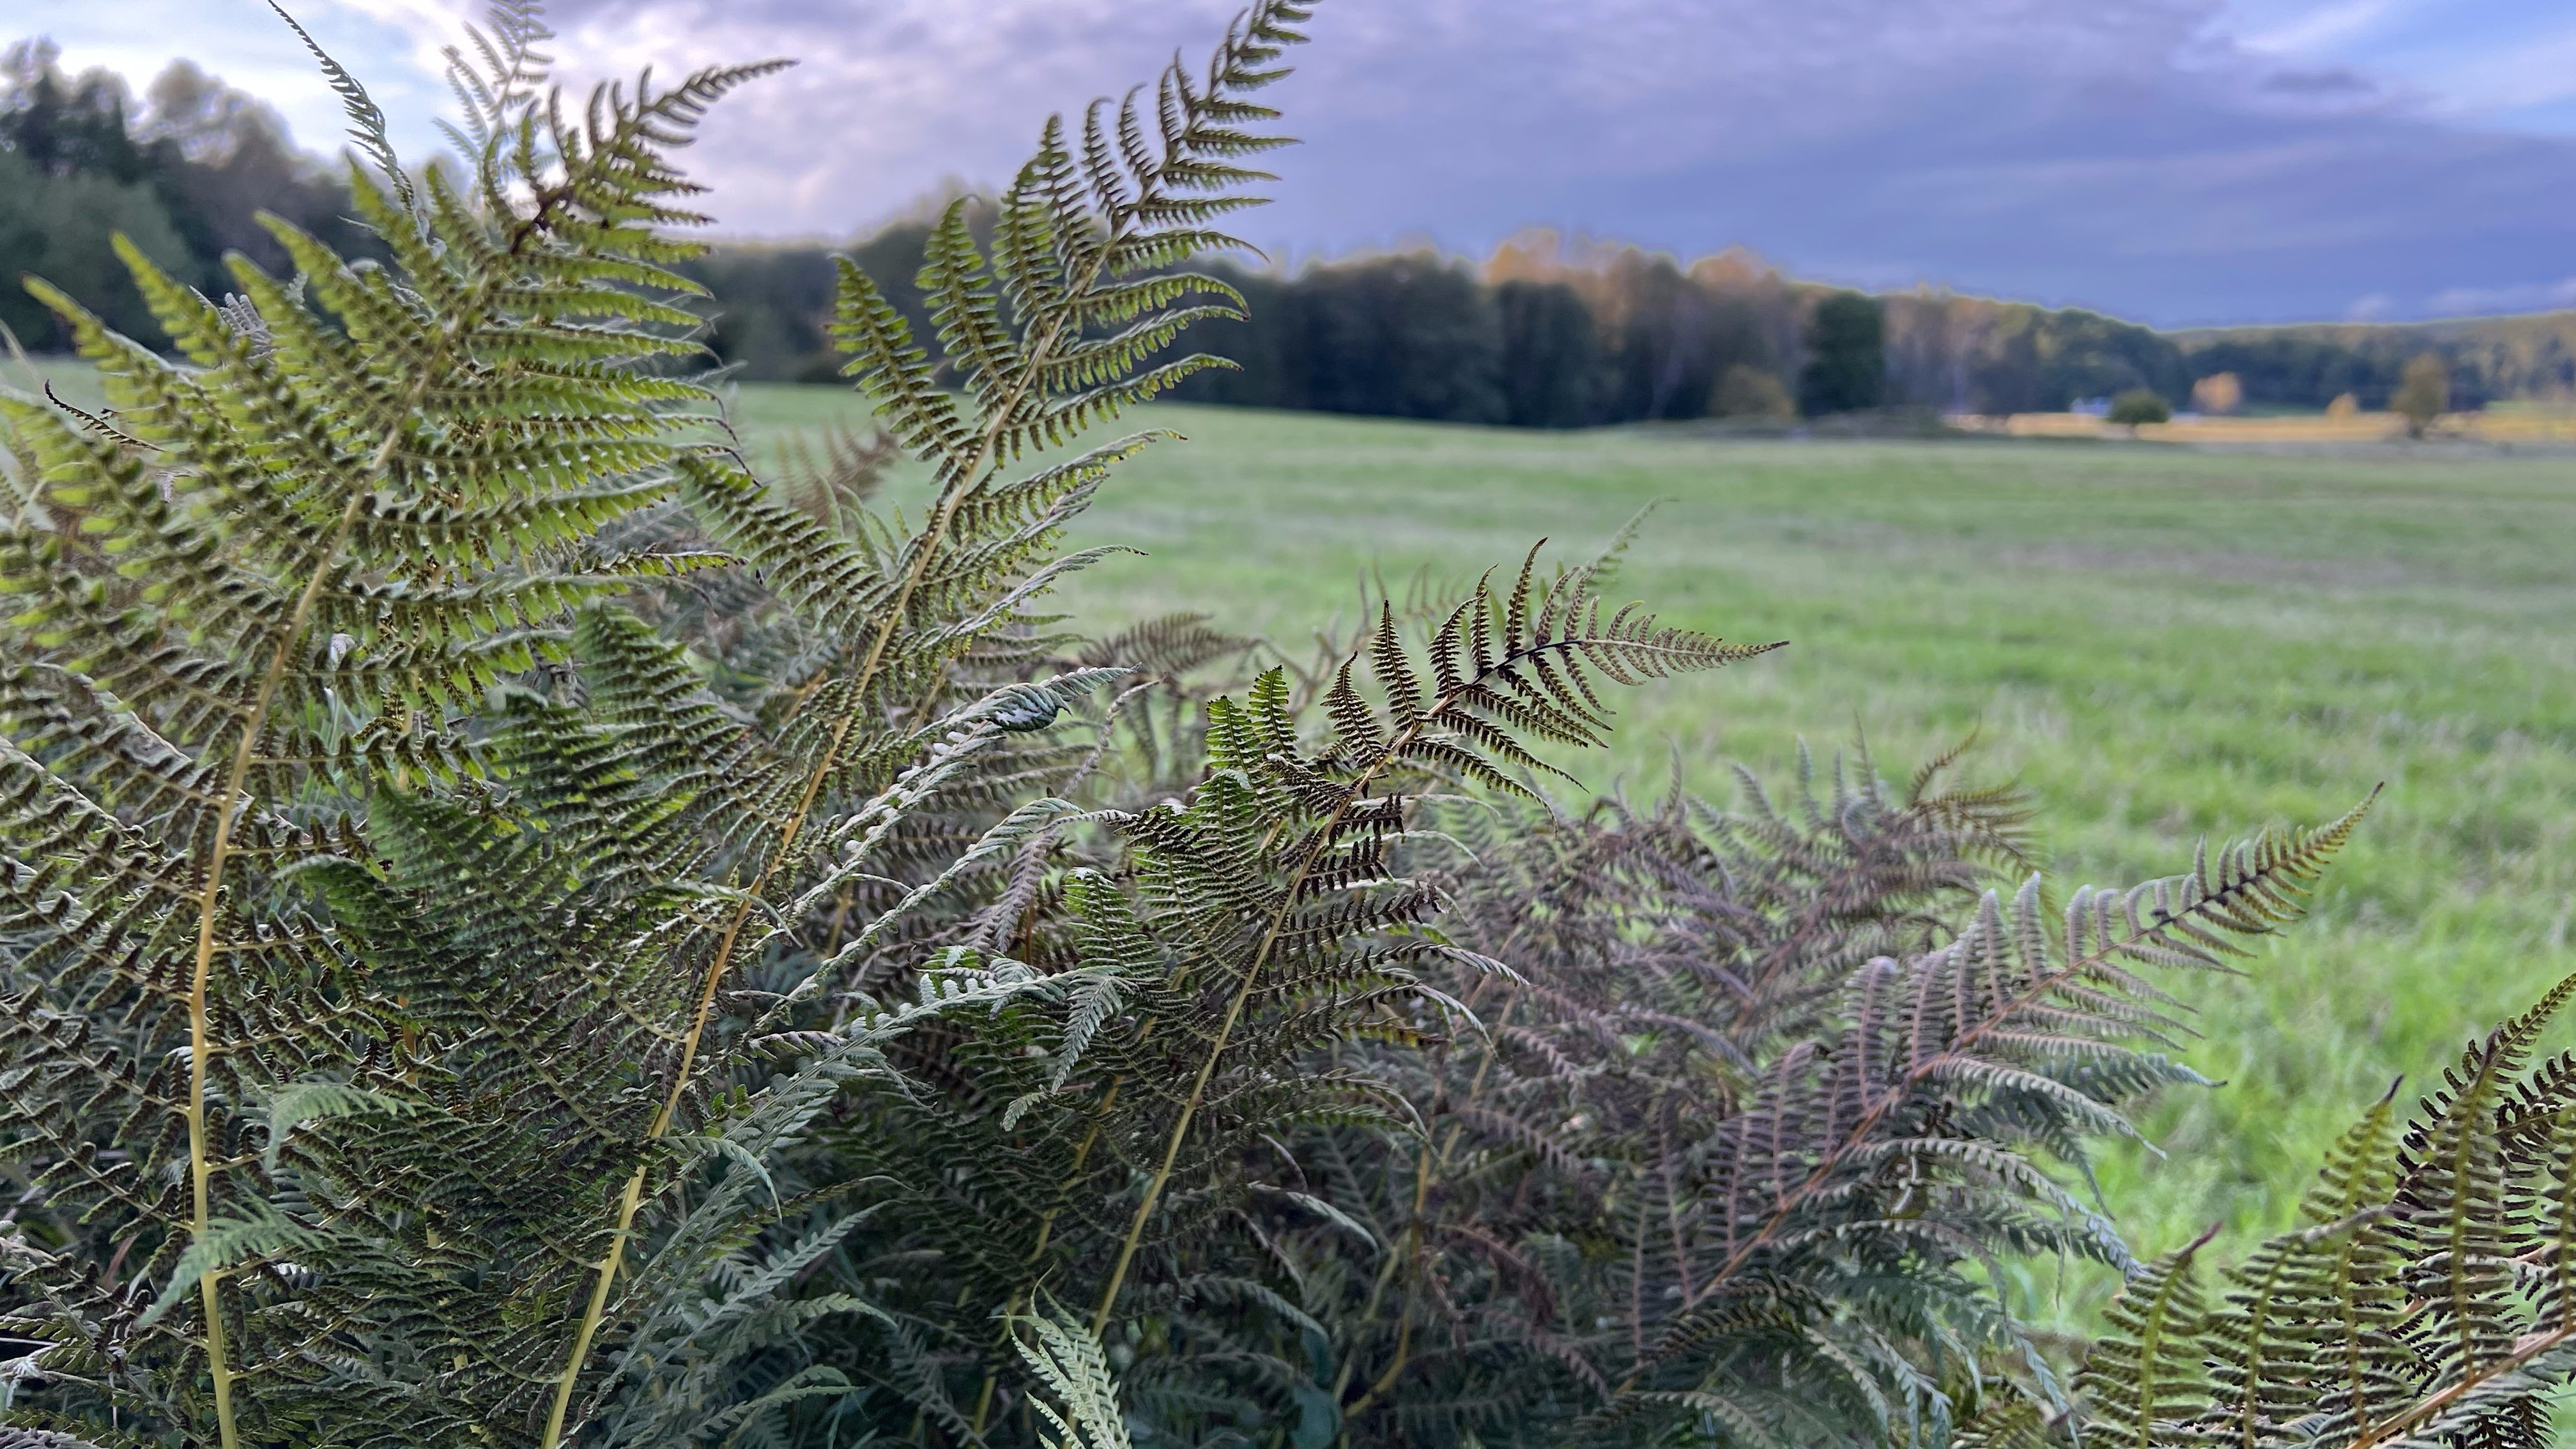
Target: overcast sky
{"x":2175,"y":161}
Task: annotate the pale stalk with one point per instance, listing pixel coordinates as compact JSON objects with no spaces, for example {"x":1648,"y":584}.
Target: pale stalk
{"x":1243,"y":994}
{"x":1413,"y":1233}
{"x":1036,"y":357}
{"x":631,"y":1200}
{"x":200,"y":1048}
{"x":1261,"y":957}
{"x":2523,"y":1352}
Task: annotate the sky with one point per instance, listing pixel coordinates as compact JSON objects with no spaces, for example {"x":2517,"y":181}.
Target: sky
{"x":2178,"y":162}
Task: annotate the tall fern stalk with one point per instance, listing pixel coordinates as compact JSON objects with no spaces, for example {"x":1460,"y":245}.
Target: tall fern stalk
{"x":178,"y":662}
{"x":218,"y":856}
{"x":1200,"y":127}
{"x":1535,"y":681}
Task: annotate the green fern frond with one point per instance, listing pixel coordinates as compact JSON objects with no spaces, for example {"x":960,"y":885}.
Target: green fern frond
{"x":1066,"y":1358}
{"x":2148,"y":1375}
{"x":2417,"y":1309}
{"x":254,"y":625}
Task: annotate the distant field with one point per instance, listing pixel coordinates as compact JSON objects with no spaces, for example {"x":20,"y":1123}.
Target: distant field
{"x":2507,"y":425}
{"x":2160,"y":642}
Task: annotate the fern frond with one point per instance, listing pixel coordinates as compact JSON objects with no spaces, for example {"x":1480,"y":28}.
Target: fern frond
{"x":2148,"y":1375}
{"x":258,"y":627}
{"x":1066,"y":1358}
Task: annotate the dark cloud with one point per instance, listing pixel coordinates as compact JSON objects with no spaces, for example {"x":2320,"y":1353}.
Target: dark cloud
{"x":2116,"y":153}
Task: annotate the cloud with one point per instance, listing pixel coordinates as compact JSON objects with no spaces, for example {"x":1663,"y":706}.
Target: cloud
{"x":2466,"y":301}
{"x":2136,"y":155}
{"x":2314,"y":27}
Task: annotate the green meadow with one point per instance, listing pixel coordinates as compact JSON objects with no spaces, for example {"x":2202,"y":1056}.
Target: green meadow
{"x":2162,"y":644}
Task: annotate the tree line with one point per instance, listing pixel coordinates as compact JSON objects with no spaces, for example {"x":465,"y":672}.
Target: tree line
{"x":183,"y":175}
{"x":2485,"y":359}
{"x":1549,"y":334}
{"x":1546,"y":332}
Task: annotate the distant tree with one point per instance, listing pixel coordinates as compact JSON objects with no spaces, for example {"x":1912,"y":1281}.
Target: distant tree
{"x":2220,"y":392}
{"x":2303,"y":368}
{"x":2085,"y":354}
{"x":1408,"y":336}
{"x":1659,"y":336}
{"x":62,"y":126}
{"x":1552,"y":359}
{"x":2140,"y":405}
{"x":70,"y":177}
{"x":1751,"y":392}
{"x":57,"y":227}
{"x":186,"y":182}
{"x":2345,"y":405}
{"x":219,"y":157}
{"x":771,"y":308}
{"x":2423,"y":393}
{"x":1846,"y":355}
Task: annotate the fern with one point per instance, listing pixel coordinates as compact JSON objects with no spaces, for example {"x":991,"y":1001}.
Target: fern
{"x":1068,"y":1361}
{"x":2425,"y":1303}
{"x":1755,"y":1093}
{"x":348,"y":958}
{"x":891,"y":617}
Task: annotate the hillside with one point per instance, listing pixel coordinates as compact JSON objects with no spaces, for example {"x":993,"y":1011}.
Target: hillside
{"x":2532,"y":355}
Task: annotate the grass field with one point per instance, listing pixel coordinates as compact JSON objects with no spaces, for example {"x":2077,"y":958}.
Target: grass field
{"x":2160,"y":642}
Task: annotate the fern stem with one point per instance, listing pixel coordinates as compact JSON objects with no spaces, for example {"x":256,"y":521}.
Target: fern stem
{"x":1081,"y":1155}
{"x":200,"y":1048}
{"x":632,"y":1200}
{"x":1025,"y":1300}
{"x":1122,"y":222}
{"x":2523,"y":1352}
{"x":1215,"y":1053}
{"x":1403,"y":1356}
{"x":1324,"y":838}
{"x":1439,"y":1171}
{"x":627,"y":1205}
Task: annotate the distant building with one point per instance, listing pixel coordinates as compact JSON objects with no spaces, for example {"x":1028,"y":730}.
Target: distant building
{"x":2090,"y":407}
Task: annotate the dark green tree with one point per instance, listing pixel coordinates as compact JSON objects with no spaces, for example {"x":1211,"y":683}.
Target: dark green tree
{"x":63,"y":126}
{"x":2140,"y":405}
{"x":187,"y":183}
{"x":1668,"y":337}
{"x":70,"y":177}
{"x":1846,"y":356}
{"x":59,"y":226}
{"x":1552,"y":358}
{"x":1409,"y":336}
